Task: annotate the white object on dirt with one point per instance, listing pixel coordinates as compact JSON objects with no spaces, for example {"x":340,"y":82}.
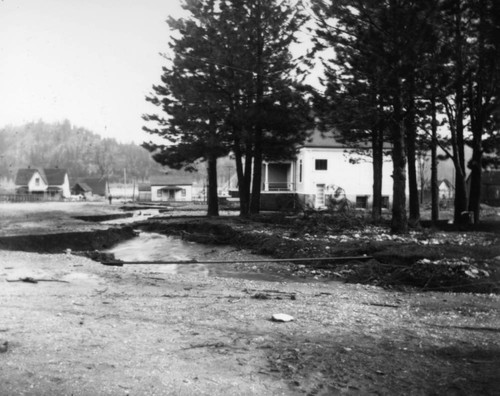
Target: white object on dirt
{"x":282,"y":318}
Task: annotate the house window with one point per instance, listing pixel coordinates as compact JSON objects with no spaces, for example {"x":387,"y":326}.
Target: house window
{"x":361,"y":201}
{"x":300,"y":171}
{"x":183,"y":193}
{"x":385,"y":202}
{"x":158,"y":193}
{"x":37,"y":181}
{"x":321,"y":164}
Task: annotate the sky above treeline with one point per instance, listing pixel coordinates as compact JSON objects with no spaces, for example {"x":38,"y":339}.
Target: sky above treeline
{"x":89,"y":61}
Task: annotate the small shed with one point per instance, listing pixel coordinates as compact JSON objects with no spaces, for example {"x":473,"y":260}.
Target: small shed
{"x":97,"y":186}
{"x":82,"y":188}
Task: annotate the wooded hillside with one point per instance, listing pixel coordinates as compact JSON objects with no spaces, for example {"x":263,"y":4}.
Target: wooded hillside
{"x":80,"y":151}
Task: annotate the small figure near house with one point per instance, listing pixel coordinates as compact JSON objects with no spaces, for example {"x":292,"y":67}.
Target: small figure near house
{"x":110,"y":197}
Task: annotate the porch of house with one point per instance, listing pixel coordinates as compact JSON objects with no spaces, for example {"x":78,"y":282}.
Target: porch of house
{"x":278,"y":177}
{"x":278,"y":188}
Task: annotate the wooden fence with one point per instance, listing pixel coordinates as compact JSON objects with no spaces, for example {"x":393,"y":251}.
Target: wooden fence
{"x":29,"y":197}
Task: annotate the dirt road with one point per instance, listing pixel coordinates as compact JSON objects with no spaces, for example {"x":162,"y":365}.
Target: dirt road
{"x":87,"y":329}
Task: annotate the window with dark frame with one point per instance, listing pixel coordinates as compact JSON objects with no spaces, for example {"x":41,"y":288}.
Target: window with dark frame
{"x":321,"y":164}
{"x":361,"y":201}
{"x":300,"y":171}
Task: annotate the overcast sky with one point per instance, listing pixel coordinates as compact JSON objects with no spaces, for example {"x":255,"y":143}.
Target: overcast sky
{"x":89,"y":61}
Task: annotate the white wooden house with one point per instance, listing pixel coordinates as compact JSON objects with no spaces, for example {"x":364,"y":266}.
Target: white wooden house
{"x":445,"y":189}
{"x":171,"y":188}
{"x":321,"y":167}
{"x":50,"y":182}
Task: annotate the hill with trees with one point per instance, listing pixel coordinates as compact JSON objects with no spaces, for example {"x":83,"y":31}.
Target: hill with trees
{"x":80,"y":151}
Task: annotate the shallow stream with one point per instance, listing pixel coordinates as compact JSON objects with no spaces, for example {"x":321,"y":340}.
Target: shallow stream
{"x":157,"y":247}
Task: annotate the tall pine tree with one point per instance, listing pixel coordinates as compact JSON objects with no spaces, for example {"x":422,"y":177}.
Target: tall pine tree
{"x":190,"y":97}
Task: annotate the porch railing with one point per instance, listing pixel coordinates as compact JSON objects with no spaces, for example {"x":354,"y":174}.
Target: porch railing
{"x":278,"y":186}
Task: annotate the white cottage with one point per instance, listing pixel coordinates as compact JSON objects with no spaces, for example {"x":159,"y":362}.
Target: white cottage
{"x":321,"y":167}
{"x":172,"y":188}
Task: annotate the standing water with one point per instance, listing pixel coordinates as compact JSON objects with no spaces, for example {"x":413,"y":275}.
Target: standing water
{"x":149,"y":246}
{"x":156,"y":247}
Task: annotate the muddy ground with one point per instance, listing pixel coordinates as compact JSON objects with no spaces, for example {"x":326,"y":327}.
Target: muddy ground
{"x":89,"y":329}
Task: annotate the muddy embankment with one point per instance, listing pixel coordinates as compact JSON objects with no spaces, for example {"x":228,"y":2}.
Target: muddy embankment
{"x":78,"y":241}
{"x":427,"y":261}
{"x":392,"y":264}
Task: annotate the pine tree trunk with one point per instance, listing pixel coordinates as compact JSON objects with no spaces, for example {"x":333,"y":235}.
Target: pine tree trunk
{"x":434,"y":166}
{"x":257,"y":157}
{"x":411,"y":136}
{"x":212,"y":196}
{"x":399,"y":223}
{"x":242,"y":185}
{"x":412,"y":176}
{"x":257,"y":174}
{"x":476,"y":174}
{"x":477,"y":106}
{"x":378,"y":161}
{"x":458,"y":146}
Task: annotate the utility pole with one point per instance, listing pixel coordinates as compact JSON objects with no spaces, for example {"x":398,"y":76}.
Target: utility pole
{"x":125,"y":183}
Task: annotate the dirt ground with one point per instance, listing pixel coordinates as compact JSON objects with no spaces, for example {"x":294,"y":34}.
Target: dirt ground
{"x":88,"y":329}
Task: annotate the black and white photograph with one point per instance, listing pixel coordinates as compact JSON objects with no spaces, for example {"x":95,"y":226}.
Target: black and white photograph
{"x":249,"y":197}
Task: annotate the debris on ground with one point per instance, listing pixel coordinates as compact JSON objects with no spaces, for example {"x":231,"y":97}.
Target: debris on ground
{"x":392,"y":261}
{"x":29,"y":279}
{"x":281,"y":317}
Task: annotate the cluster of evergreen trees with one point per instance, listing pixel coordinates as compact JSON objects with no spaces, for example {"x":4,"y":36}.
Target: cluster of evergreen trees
{"x":400,"y":71}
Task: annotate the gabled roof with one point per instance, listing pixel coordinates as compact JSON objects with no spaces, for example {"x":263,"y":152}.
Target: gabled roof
{"x":144,"y":187}
{"x":51,"y":176}
{"x":446,"y":182}
{"x":332,"y":139}
{"x":97,"y":184}
{"x":322,"y":139}
{"x":172,"y":180}
{"x":84,"y":186}
{"x":55,"y":176}
{"x":24,"y":176}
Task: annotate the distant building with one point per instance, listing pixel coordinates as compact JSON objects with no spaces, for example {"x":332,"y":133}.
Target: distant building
{"x":96,"y":185}
{"x":144,"y":192}
{"x":445,"y":189}
{"x":172,"y":187}
{"x":322,"y":170}
{"x":51,"y":183}
{"x":82,"y":188}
